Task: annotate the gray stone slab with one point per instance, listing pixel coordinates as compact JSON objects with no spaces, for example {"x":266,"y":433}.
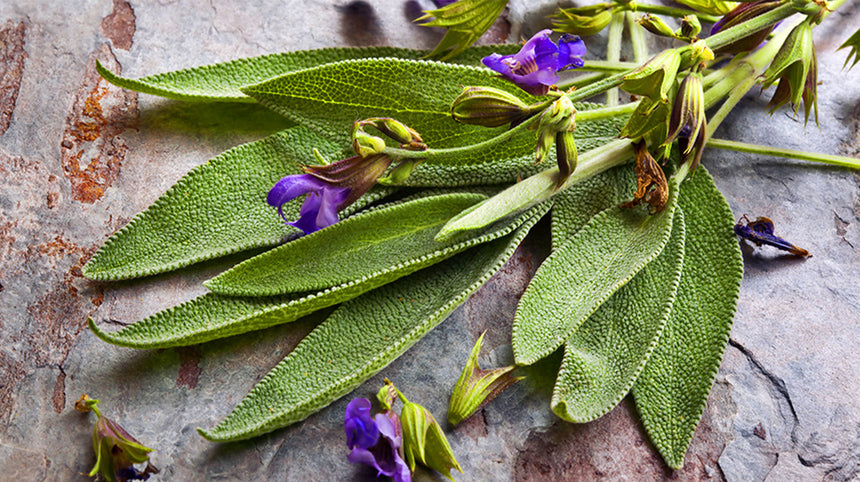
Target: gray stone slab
{"x":78,"y":158}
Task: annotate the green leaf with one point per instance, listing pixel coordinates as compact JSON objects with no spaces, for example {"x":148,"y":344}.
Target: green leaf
{"x":387,"y":243}
{"x":213,"y":316}
{"x":576,"y":205}
{"x":853,"y":43}
{"x":466,"y":21}
{"x":218,"y":208}
{"x":223,"y":81}
{"x":673,"y":388}
{"x":584,"y":272}
{"x":362,"y":337}
{"x":605,"y":355}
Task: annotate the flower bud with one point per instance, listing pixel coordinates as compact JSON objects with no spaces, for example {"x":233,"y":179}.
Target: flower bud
{"x":488,"y":107}
{"x":690,"y":27}
{"x":366,"y":145}
{"x":649,"y":117}
{"x":424,"y":441}
{"x":404,"y":135}
{"x":796,"y":69}
{"x":560,"y":116}
{"x":476,"y":387}
{"x":582,"y":21}
{"x":400,"y":173}
{"x":688,"y":123}
{"x":656,"y":26}
{"x":565,"y":151}
{"x":741,"y":14}
{"x":656,"y":77}
{"x":700,"y":52}
{"x":714,"y":7}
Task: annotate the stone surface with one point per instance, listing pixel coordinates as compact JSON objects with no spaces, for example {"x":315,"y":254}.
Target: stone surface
{"x":79,"y":158}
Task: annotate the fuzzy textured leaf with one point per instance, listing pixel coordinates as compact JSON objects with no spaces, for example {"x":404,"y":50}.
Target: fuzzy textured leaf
{"x":584,"y":272}
{"x":223,"y":81}
{"x":605,"y":355}
{"x":218,"y":208}
{"x":329,"y":362}
{"x":673,"y":388}
{"x":329,"y":98}
{"x":212,"y":316}
{"x":386,"y":242}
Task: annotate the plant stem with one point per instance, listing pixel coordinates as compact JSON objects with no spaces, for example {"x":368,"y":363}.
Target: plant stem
{"x":581,"y":81}
{"x":612,"y":66}
{"x":595,"y":114}
{"x":637,"y":40}
{"x":842,"y":161}
{"x":749,"y":27}
{"x":613,"y":51}
{"x":673,"y":12}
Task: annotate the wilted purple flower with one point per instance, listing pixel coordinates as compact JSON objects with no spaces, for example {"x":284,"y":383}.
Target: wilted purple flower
{"x":375,"y":441}
{"x":320,"y":207}
{"x":760,"y":232}
{"x":535,"y":67}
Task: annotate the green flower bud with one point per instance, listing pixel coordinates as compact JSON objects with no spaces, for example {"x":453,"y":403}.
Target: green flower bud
{"x":796,"y":69}
{"x":700,"y":52}
{"x":424,"y":441}
{"x":387,"y":395}
{"x":688,"y":123}
{"x":404,"y":135}
{"x":656,"y":26}
{"x":475,"y":388}
{"x":714,"y":7}
{"x":400,"y":173}
{"x":581,"y":21}
{"x":690,"y":27}
{"x":656,"y":77}
{"x":649,"y":117}
{"x":560,"y":116}
{"x":488,"y":107}
{"x":366,"y":145}
{"x":565,"y":151}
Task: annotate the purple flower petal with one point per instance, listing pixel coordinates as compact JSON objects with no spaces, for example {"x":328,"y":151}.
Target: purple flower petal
{"x":320,"y":207}
{"x":361,"y":430}
{"x":534,"y":68}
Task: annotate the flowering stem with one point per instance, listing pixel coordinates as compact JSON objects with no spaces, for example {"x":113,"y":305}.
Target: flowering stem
{"x":581,"y":80}
{"x":603,"y":113}
{"x":673,"y":12}
{"x":749,"y":27}
{"x":842,"y":161}
{"x":608,"y":66}
{"x":637,"y":39}
{"x":613,"y":51}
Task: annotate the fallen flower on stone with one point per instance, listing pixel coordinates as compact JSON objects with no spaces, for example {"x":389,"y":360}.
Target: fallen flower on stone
{"x":375,"y":442}
{"x":536,"y":66}
{"x":760,"y":232}
{"x":116,"y":450}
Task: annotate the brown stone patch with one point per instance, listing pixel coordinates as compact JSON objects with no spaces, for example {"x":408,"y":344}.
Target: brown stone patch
{"x":59,"y":398}
{"x":92,"y":149}
{"x":189,"y":370}
{"x":119,"y":26}
{"x":614,"y":447}
{"x":12,"y":56}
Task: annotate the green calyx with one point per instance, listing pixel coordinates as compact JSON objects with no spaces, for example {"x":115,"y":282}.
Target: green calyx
{"x":656,"y":78}
{"x":488,"y":107}
{"x":424,"y":442}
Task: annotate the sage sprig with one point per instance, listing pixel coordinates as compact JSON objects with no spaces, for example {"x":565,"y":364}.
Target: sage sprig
{"x":446,"y":167}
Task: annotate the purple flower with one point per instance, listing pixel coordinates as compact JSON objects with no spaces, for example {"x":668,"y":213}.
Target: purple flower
{"x":375,"y":441}
{"x":442,"y":3}
{"x":320,"y":207}
{"x":535,"y":67}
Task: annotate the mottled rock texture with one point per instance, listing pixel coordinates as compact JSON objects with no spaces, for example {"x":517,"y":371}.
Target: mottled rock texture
{"x":78,"y":158}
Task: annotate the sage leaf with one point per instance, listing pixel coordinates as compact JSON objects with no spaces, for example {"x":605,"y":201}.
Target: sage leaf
{"x":671,"y":392}
{"x":605,"y":355}
{"x":213,"y":316}
{"x":584,"y":272}
{"x":576,"y":205}
{"x":362,"y":337}
{"x":218,"y":208}
{"x":223,"y":81}
{"x":386,"y":242}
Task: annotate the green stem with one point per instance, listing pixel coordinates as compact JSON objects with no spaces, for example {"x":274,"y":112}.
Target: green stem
{"x":842,"y":161}
{"x":613,"y":51}
{"x":581,"y":116}
{"x":728,"y":84}
{"x":673,"y":12}
{"x":608,"y":66}
{"x":749,"y":27}
{"x":637,"y":40}
{"x":581,"y":80}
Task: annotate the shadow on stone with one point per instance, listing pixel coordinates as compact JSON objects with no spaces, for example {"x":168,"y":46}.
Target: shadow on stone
{"x":359,"y":24}
{"x":212,"y":118}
